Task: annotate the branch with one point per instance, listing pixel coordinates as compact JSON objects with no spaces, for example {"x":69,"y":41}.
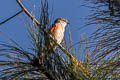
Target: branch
{"x":11,"y":17}
{"x":27,"y":12}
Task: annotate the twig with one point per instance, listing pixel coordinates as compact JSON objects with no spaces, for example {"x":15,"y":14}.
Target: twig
{"x":10,"y":17}
{"x":27,"y":12}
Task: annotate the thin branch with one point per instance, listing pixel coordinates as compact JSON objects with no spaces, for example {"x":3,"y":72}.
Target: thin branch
{"x":11,"y":17}
{"x":29,"y":14}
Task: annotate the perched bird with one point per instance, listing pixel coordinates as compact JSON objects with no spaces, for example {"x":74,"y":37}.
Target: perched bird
{"x":58,"y":29}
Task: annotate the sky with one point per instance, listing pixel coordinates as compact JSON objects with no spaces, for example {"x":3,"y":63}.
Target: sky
{"x":69,"y":9}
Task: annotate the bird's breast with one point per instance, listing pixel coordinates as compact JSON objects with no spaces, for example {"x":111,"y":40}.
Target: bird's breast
{"x":59,"y":34}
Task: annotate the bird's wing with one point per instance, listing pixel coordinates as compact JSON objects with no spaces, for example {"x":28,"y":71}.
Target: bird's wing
{"x":52,"y":28}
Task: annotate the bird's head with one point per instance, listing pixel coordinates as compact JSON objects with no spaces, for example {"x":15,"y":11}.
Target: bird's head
{"x":62,"y":21}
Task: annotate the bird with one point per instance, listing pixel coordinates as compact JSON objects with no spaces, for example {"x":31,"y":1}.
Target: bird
{"x":57,"y":32}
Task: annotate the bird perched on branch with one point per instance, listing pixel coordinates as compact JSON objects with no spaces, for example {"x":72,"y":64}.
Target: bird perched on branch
{"x":57,"y":31}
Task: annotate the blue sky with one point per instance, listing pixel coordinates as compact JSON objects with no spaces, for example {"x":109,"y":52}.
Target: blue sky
{"x":69,"y":9}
